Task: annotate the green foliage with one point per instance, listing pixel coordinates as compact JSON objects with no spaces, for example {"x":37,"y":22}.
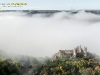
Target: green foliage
{"x":66,"y":66}
{"x":73,"y":66}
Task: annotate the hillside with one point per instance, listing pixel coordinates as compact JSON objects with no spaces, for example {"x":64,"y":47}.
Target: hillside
{"x":25,"y":65}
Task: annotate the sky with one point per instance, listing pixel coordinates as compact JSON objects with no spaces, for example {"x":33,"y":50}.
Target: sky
{"x":54,"y":4}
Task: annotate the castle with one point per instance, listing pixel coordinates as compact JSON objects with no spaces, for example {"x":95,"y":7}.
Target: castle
{"x":76,"y":52}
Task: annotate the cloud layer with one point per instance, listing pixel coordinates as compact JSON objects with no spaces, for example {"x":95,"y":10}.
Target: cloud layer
{"x":44,"y":36}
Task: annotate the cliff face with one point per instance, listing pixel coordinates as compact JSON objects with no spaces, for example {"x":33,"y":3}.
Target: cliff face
{"x":76,"y":52}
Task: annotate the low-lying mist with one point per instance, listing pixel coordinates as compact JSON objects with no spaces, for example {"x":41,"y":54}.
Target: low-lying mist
{"x":43,"y":36}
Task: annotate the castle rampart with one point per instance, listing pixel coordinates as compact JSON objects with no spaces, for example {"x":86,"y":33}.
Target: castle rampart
{"x":76,"y":52}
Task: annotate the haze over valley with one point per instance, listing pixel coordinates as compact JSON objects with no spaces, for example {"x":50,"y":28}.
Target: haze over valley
{"x":44,"y":34}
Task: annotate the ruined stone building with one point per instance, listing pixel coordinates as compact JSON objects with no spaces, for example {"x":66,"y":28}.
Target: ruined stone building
{"x":76,"y":52}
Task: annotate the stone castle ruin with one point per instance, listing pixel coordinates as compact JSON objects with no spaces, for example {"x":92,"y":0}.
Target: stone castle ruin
{"x":76,"y":52}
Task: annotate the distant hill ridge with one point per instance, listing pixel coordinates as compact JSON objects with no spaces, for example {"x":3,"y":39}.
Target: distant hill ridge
{"x":52,"y":11}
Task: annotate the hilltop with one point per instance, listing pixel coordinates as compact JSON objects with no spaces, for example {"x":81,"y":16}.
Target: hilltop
{"x":26,"y":65}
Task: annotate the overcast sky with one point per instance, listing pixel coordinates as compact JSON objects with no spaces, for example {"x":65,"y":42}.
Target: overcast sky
{"x":55,"y":4}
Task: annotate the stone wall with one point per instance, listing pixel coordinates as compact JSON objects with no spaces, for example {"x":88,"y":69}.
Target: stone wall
{"x":76,"y":52}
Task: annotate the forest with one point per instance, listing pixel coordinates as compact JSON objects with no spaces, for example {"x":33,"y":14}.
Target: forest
{"x":28,"y":65}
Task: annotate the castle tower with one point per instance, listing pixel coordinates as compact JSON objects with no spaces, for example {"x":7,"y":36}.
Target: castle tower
{"x":60,"y":53}
{"x":85,"y":51}
{"x":79,"y":49}
{"x":74,"y":52}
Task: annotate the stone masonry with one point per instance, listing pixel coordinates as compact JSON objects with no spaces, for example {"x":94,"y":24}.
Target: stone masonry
{"x":76,"y":52}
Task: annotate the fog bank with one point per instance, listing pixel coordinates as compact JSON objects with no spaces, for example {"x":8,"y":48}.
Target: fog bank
{"x":44,"y":36}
